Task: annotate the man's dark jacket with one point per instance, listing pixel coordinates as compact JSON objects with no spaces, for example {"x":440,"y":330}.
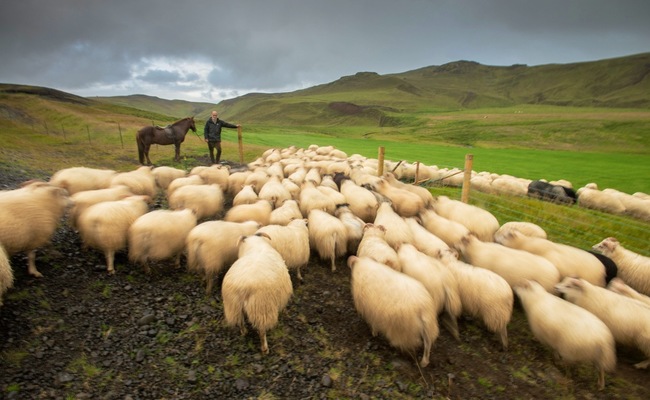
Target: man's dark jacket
{"x":212,"y":130}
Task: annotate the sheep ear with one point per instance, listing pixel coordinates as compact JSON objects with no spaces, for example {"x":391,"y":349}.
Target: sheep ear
{"x":263,"y":234}
{"x":240,"y":240}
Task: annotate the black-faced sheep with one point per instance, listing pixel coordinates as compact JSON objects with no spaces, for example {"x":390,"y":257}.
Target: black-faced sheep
{"x":257,"y":287}
{"x":627,"y":319}
{"x":549,"y":192}
{"x":395,"y":305}
{"x":483,"y":294}
{"x":513,"y":265}
{"x":29,"y":217}
{"x":327,"y":236}
{"x":571,"y":331}
{"x":569,"y":260}
{"x":633,"y":268}
{"x":105,"y":225}
{"x":291,"y":241}
{"x":159,"y":235}
{"x":77,"y":179}
{"x":212,"y":246}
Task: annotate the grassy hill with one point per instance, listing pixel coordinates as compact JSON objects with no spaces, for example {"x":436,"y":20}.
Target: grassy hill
{"x":585,"y":122}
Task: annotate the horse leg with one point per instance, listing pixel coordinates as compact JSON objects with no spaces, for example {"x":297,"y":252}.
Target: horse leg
{"x":177,"y":148}
{"x":146,"y":153}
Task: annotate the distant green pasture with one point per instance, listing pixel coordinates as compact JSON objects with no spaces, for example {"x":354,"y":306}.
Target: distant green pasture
{"x":627,"y":172}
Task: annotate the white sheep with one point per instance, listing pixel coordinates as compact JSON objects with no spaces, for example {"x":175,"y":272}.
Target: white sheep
{"x":483,"y":294}
{"x":247,"y":195}
{"x":140,"y":181}
{"x":215,"y":173}
{"x":628,"y":319}
{"x":84,"y":199}
{"x":633,"y":268}
{"x":292,"y":188}
{"x":395,"y":305}
{"x":397,"y":231}
{"x":105,"y":225}
{"x":513,"y":265}
{"x":77,"y":179}
{"x":327,"y":236}
{"x":159,"y":235}
{"x":260,"y":212}
{"x":257,"y":287}
{"x":207,"y":201}
{"x":439,"y":282}
{"x":617,"y":285}
{"x":274,"y":192}
{"x":287,"y":212}
{"x":29,"y":217}
{"x":526,"y":228}
{"x":599,"y":200}
{"x":236,"y":182}
{"x":313,"y":199}
{"x":164,"y":175}
{"x":574,"y":333}
{"x":404,"y":203}
{"x":183,"y":181}
{"x":353,"y":224}
{"x":361,"y":200}
{"x":477,"y":220}
{"x":425,"y":241}
{"x":6,"y":273}
{"x":451,"y":232}
{"x":291,"y":241}
{"x":212,"y":246}
{"x":569,"y":260}
{"x":425,"y":194}
{"x":373,"y":245}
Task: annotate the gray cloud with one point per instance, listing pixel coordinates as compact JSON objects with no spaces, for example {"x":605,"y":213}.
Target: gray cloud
{"x":209,"y":50}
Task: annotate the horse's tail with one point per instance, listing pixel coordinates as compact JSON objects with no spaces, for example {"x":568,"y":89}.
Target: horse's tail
{"x":138,"y":140}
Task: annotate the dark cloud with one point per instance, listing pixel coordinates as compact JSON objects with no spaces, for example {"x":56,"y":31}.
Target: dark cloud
{"x":211,"y":49}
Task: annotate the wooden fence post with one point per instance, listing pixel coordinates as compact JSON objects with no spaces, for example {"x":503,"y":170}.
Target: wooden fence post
{"x":380,"y":164}
{"x":467,"y":176}
{"x":241,"y":145}
{"x":120,"y":129}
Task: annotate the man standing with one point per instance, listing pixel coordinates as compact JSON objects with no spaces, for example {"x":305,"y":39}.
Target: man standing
{"x":212,"y":134}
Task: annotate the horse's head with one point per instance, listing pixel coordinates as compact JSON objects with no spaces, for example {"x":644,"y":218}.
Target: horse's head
{"x":192,"y":124}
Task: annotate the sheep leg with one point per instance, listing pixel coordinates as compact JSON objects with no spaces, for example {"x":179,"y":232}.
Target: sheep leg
{"x":503,"y":337}
{"x":601,"y":378}
{"x":110,"y":261}
{"x":265,"y":345}
{"x":209,"y":283}
{"x":145,"y":266}
{"x":299,"y":275}
{"x":31,"y":264}
{"x":177,"y":262}
{"x":451,"y":324}
{"x":333,"y":264}
{"x":642,"y":364}
{"x":426,"y":340}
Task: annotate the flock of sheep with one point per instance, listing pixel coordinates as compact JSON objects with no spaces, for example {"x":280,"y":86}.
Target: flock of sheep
{"x":416,"y":260}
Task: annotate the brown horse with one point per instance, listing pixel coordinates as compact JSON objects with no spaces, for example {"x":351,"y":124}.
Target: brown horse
{"x":172,"y":134}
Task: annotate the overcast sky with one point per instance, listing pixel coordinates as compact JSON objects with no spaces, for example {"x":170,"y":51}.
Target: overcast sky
{"x":209,"y":50}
